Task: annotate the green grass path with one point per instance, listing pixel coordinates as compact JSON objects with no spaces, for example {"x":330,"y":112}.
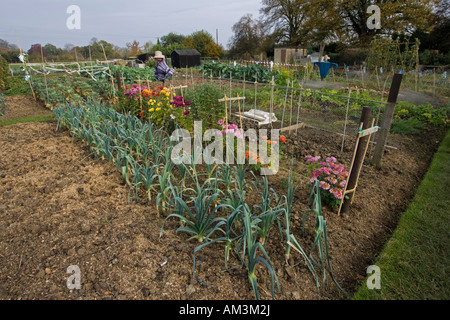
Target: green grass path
{"x":415,"y":263}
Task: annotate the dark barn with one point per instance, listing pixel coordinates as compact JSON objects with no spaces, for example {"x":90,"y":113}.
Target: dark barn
{"x":183,"y":58}
{"x":142,"y":58}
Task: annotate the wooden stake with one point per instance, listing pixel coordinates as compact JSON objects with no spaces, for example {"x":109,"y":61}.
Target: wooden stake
{"x":43,"y":69}
{"x":290,"y":117}
{"x":240,"y":115}
{"x":226,"y":111}
{"x":346,"y":117}
{"x":110,"y":76}
{"x":256,"y":85}
{"x":90,"y":56}
{"x":24,"y":65}
{"x":271,"y":100}
{"x":243,"y":90}
{"x":119,"y":83}
{"x":298,"y":109}
{"x":230,"y":90}
{"x":378,"y":80}
{"x":387,"y":120}
{"x":358,"y":158}
{"x":285,"y":100}
{"x":140,"y":96}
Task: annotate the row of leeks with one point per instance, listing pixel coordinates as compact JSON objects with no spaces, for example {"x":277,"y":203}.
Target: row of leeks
{"x":210,"y":202}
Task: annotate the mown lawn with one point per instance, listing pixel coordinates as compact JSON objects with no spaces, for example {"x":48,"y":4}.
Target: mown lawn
{"x":415,"y":263}
{"x":25,"y":120}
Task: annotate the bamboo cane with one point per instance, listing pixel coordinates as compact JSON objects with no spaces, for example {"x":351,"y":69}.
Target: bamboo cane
{"x":110,"y":76}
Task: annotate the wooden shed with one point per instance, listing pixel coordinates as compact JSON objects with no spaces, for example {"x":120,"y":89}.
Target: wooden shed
{"x":290,"y":55}
{"x":182,"y":58}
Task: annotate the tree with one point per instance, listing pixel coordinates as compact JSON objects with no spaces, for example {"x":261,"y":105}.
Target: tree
{"x":286,"y":19}
{"x":247,"y":38}
{"x":6,"y":45}
{"x":34,"y":53}
{"x":171,"y":39}
{"x":148,"y":46}
{"x":134,"y":48}
{"x":204,"y":43}
{"x":403,"y":16}
{"x":297,"y":22}
{"x":97,"y":50}
{"x":213,"y":50}
{"x":52,"y":50}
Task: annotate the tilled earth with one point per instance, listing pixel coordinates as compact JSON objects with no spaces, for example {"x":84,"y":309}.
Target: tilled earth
{"x":59,"y":207}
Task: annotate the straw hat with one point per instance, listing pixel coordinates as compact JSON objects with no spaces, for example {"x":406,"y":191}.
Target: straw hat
{"x":159,"y":55}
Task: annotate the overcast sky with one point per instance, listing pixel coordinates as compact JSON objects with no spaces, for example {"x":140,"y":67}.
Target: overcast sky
{"x":26,"y":22}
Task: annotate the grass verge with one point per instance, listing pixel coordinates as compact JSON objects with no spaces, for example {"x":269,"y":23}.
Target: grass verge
{"x":25,"y":120}
{"x":414,"y":263}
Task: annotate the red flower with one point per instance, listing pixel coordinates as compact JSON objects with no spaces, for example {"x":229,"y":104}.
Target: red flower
{"x":141,"y":113}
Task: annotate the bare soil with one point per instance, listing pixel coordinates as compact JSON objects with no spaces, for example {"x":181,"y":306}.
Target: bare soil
{"x":59,"y":207}
{"x":24,"y":106}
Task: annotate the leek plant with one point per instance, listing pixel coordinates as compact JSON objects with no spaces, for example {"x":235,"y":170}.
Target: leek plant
{"x":292,"y":188}
{"x":250,"y":247}
{"x":227,"y":238}
{"x":148,"y":175}
{"x":320,"y":240}
{"x":225,"y":176}
{"x":199,"y":218}
{"x":164,"y":173}
{"x":268,"y":215}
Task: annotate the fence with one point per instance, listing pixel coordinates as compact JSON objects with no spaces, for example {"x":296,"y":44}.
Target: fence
{"x":294,"y":105}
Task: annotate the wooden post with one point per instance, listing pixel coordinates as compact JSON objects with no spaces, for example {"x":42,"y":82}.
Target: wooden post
{"x":110,"y":76}
{"x":256,"y":84}
{"x":387,"y":120}
{"x":299,"y":106}
{"x":346,"y":118}
{"x":230,"y":89}
{"x":90,"y":56}
{"x":45,"y":74}
{"x":140,"y":95}
{"x":360,"y":153}
{"x":434,"y":80}
{"x":243,"y":90}
{"x":290,"y":116}
{"x":240,"y":115}
{"x":285,"y":101}
{"x":378,"y":80}
{"x":271,"y":99}
{"x":226,"y":112}
{"x":25,"y":65}
{"x":119,"y":83}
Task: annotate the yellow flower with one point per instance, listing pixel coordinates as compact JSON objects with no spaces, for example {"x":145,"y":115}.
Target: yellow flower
{"x":158,"y":109}
{"x":159,"y":104}
{"x":151,"y":110}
